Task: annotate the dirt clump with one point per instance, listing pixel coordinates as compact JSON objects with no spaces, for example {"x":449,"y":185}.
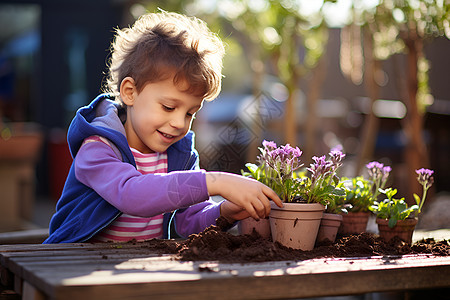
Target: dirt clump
{"x":215,"y":244}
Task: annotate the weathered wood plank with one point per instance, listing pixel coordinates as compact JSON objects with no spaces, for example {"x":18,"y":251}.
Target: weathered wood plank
{"x":18,"y":283}
{"x":268,"y":287}
{"x":6,"y":277}
{"x":46,"y":247}
{"x":31,"y":236}
{"x":31,"y":293}
{"x":158,"y":274}
{"x":105,"y":272}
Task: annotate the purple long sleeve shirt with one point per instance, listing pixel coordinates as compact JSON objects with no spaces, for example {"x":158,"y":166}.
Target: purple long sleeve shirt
{"x":120,"y":184}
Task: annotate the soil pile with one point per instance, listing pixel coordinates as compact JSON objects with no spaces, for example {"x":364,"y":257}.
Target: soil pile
{"x":217,"y":245}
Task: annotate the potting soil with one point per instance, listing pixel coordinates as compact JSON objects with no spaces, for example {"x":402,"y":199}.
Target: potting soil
{"x":215,"y":244}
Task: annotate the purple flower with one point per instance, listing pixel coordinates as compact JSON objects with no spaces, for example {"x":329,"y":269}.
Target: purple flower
{"x":379,"y":175}
{"x":425,"y":177}
{"x":375,"y":169}
{"x":320,"y":168}
{"x":284,"y":158}
{"x":269,"y":145}
{"x":291,"y":152}
{"x":336,"y":157}
{"x":385,"y":171}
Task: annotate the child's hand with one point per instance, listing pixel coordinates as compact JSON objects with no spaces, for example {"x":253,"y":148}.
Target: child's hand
{"x":247,"y":193}
{"x":232,"y":212}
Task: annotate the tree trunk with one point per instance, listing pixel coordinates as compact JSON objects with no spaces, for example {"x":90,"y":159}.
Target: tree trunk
{"x":290,"y":120}
{"x":371,"y":123}
{"x":313,"y":96}
{"x":257,"y":121}
{"x":416,"y":155}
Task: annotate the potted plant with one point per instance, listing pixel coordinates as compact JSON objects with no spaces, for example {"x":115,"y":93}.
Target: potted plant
{"x":332,"y":219}
{"x":264,"y":174}
{"x":360,"y":195}
{"x":20,"y":145}
{"x":325,"y":187}
{"x":394,"y":216}
{"x":358,"y":199}
{"x":297,"y":223}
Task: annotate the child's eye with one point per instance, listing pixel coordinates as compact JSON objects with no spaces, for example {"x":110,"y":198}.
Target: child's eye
{"x":167,"y":108}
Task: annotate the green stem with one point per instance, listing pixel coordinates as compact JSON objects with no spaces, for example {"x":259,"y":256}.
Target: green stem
{"x":423,"y":197}
{"x":283,"y":187}
{"x":377,"y":192}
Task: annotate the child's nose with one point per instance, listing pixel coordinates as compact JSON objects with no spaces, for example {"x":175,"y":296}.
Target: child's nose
{"x":178,"y":121}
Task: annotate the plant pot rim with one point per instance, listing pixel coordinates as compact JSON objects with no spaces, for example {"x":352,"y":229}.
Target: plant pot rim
{"x":408,"y":221}
{"x":296,"y":206}
{"x":332,"y":216}
{"x":357,"y":213}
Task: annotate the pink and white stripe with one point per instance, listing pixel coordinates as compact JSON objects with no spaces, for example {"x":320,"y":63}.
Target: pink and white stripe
{"x":150,"y":163}
{"x":127,"y":227}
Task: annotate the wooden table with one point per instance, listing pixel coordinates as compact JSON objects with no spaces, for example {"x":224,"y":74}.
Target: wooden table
{"x":125,"y":271}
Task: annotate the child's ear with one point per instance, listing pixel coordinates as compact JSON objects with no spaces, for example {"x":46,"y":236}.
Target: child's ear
{"x":128,"y":91}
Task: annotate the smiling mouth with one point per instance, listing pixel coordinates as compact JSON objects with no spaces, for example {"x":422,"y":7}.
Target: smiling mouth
{"x":167,"y":135}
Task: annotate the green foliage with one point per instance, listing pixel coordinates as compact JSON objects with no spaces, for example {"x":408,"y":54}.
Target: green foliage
{"x":300,"y":185}
{"x":392,"y":209}
{"x":287,"y":189}
{"x":262,"y":174}
{"x":358,"y":193}
{"x":337,"y":201}
{"x":326,"y":192}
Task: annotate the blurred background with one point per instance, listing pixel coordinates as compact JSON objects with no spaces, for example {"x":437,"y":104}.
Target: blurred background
{"x":369,"y":77}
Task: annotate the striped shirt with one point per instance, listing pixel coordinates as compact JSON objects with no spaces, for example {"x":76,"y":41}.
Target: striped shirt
{"x":127,"y":227}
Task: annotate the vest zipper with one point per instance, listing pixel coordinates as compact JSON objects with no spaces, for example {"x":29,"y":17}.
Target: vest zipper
{"x":188,"y":165}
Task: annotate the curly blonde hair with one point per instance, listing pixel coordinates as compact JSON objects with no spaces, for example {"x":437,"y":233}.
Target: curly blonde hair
{"x":164,"y":44}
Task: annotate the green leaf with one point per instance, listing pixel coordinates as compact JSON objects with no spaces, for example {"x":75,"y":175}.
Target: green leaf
{"x":338,"y":192}
{"x":392,"y":222}
{"x":251,"y":167}
{"x":417,"y":198}
{"x":328,"y":189}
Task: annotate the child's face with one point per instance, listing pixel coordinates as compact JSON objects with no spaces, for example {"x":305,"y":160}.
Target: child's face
{"x":160,"y":115}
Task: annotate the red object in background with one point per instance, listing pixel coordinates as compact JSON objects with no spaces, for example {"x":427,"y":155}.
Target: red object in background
{"x":59,"y":161}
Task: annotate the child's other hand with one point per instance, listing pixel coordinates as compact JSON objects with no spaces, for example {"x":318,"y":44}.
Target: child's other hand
{"x":247,"y":193}
{"x":232,"y":212}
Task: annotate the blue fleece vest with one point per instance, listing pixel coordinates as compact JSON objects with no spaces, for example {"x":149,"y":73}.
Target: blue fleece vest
{"x":81,"y":212}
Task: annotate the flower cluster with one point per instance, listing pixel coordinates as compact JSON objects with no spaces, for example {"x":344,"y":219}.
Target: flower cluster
{"x":284,"y":159}
{"x":322,"y":186}
{"x":425,"y":178}
{"x":276,"y":169}
{"x":322,"y":168}
{"x":379,"y":175}
{"x":390,"y":208}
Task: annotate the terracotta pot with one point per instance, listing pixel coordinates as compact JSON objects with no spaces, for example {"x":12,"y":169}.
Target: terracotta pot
{"x":354,"y":222}
{"x":23,"y":145}
{"x":329,"y":226}
{"x":403,"y":229}
{"x":296,"y":224}
{"x":20,"y":148}
{"x":262,"y":227}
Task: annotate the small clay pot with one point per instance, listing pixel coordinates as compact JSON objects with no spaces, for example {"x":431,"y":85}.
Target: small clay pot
{"x":296,"y":224}
{"x":354,"y":222}
{"x":403,"y":229}
{"x":329,"y":226}
{"x":262,"y":226}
